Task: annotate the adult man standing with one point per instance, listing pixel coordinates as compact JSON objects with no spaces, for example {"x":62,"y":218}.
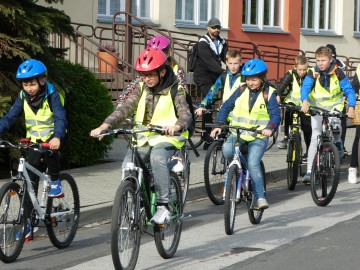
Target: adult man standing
{"x":211,"y":51}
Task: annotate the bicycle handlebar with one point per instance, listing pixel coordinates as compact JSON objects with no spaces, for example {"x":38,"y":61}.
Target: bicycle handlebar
{"x":152,"y":128}
{"x":242,"y":129}
{"x":26,"y":144}
{"x":315,"y":110}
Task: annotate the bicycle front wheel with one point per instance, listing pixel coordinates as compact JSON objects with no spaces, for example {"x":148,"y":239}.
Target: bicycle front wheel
{"x":293,"y":161}
{"x":325,"y":174}
{"x":167,"y":236}
{"x":214,"y":171}
{"x":125,"y":236}
{"x":12,"y":222}
{"x":63,"y":225}
{"x":255,"y":214}
{"x":230,"y":200}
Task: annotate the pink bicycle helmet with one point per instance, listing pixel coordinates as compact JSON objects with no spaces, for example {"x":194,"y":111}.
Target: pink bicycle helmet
{"x":159,"y":42}
{"x":150,"y":59}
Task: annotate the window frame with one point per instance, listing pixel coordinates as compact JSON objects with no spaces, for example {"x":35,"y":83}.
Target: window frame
{"x":196,"y":23}
{"x":357,"y":18}
{"x":328,"y":15}
{"x":260,"y":13}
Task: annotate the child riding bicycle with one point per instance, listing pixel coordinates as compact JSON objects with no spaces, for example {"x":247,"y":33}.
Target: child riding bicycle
{"x":251,"y":105}
{"x":324,"y":87}
{"x":152,"y":102}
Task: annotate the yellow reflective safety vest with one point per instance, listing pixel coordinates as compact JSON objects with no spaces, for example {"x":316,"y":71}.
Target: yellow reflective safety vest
{"x":329,"y":100}
{"x":164,"y":115}
{"x":39,"y":126}
{"x":227,"y":91}
{"x":294,"y":96}
{"x":244,"y":117}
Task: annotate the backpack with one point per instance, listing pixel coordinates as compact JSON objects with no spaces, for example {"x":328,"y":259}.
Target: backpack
{"x":193,"y":54}
{"x":174,"y":89}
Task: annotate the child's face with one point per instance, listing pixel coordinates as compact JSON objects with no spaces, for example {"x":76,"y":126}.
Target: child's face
{"x":323,"y":62}
{"x":233,"y":64}
{"x":151,"y":78}
{"x":253,"y":82}
{"x":31,"y":87}
{"x":301,"y":70}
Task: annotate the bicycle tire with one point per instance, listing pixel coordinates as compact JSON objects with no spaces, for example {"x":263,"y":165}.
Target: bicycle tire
{"x":230,"y":200}
{"x":255,"y":215}
{"x":62,"y":229}
{"x":10,"y":207}
{"x":214,"y":171}
{"x":325,"y":174}
{"x":125,"y":236}
{"x":293,"y":161}
{"x":167,"y":236}
{"x":197,"y":137}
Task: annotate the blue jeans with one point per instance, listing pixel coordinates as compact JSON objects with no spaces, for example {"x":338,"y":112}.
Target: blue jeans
{"x":158,"y":156}
{"x":256,"y":150}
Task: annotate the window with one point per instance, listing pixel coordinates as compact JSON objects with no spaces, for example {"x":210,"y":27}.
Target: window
{"x":263,"y":15}
{"x":140,"y":8}
{"x":197,"y":12}
{"x":318,"y":16}
{"x":357,"y":18}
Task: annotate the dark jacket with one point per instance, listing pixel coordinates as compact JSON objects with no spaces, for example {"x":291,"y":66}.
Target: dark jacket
{"x":208,"y":64}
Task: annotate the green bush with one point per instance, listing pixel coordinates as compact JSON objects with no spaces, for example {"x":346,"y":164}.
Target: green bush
{"x":87,"y":103}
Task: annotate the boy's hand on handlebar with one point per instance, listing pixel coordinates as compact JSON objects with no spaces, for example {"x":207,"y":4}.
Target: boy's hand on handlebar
{"x":215,"y":132}
{"x":267,"y":132}
{"x":199,"y":111}
{"x":305,"y":106}
{"x":170,"y":130}
{"x":54,"y":143}
{"x":351,"y":112}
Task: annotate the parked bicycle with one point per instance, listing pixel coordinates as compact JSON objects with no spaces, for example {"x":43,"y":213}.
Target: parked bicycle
{"x":294,"y":149}
{"x":18,"y":200}
{"x":135,"y":205}
{"x":325,"y":173}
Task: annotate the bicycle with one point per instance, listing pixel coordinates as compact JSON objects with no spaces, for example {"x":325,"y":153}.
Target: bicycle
{"x":294,"y":149}
{"x":135,"y":204}
{"x":60,"y":214}
{"x":325,"y":173}
{"x":237,"y":184}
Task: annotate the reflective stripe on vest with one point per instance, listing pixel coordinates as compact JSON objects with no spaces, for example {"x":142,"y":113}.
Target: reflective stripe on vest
{"x":164,"y":115}
{"x":39,"y":126}
{"x":176,"y":69}
{"x":294,"y":96}
{"x":258,"y":115}
{"x":320,"y":97}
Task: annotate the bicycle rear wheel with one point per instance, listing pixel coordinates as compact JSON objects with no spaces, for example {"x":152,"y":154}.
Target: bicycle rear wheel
{"x":325,"y":174}
{"x":230,"y":200}
{"x":293,"y":161}
{"x":12,"y":223}
{"x":125,"y":236}
{"x":62,"y":228}
{"x":167,"y":236}
{"x":214,"y":171}
{"x":255,"y":215}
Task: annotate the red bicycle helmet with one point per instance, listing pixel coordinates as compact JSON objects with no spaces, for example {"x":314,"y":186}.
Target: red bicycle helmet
{"x":159,"y":42}
{"x":150,"y":59}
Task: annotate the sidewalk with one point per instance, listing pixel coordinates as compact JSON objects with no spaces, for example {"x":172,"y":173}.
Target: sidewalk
{"x":97,"y":184}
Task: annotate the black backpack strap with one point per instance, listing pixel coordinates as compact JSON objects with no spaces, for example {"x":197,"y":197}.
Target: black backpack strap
{"x":223,"y":77}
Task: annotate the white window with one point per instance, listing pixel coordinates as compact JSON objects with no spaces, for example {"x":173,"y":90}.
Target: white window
{"x":357,"y":18}
{"x":263,"y":15}
{"x":197,"y":12}
{"x":140,"y":8}
{"x":318,"y":16}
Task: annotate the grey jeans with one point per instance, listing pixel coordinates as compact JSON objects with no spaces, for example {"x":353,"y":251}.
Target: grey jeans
{"x":158,"y":156}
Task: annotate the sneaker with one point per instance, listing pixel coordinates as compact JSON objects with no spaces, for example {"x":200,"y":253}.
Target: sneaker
{"x":283,"y":144}
{"x":55,"y":189}
{"x":352,"y":178}
{"x":304,"y":157}
{"x":161,"y":216}
{"x":27,"y":232}
{"x":306,"y":178}
{"x":262,"y":203}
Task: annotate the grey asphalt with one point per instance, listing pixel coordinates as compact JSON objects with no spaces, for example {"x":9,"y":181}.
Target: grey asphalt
{"x":97,"y":184}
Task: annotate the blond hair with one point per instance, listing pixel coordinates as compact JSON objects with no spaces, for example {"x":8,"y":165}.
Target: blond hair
{"x":301,"y":60}
{"x":323,"y":51}
{"x":233,"y":54}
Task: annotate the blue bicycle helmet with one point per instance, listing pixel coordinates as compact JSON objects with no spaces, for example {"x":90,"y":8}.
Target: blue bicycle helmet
{"x":254,"y":67}
{"x":30,"y":68}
